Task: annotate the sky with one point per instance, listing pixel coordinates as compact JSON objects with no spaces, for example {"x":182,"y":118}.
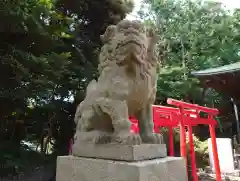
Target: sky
{"x":132,"y":16}
{"x":230,"y":4}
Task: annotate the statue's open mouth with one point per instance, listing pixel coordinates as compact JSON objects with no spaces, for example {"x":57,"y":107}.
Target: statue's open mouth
{"x":130,"y":42}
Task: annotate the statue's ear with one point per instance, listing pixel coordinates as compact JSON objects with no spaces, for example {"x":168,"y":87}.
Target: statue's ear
{"x":152,"y":35}
{"x":109,"y":33}
{"x":152,"y":40}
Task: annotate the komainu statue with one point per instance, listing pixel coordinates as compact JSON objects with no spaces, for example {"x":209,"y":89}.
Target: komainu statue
{"x":126,"y":87}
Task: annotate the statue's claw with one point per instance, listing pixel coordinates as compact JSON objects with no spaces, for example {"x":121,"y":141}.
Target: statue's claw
{"x":152,"y":138}
{"x":127,"y":138}
{"x":93,"y":137}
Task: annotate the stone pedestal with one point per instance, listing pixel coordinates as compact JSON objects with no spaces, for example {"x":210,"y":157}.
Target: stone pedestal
{"x":123,"y":163}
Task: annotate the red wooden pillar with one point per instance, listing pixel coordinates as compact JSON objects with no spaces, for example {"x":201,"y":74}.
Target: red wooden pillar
{"x":182,"y":135}
{"x":183,"y":141}
{"x":183,"y":138}
{"x":192,"y":154}
{"x":215,"y":153}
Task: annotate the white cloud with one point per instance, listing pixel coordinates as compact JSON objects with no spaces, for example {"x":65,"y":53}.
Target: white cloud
{"x":231,"y":4}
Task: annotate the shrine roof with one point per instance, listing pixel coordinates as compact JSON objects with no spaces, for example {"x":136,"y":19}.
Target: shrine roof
{"x":231,"y":68}
{"x":224,"y":79}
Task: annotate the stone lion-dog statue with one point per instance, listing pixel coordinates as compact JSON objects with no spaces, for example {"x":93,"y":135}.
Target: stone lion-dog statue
{"x":126,"y":87}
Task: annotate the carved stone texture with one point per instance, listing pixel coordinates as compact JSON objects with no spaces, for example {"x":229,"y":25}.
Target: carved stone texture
{"x":70,"y":168}
{"x":121,"y":152}
{"x":126,"y":87}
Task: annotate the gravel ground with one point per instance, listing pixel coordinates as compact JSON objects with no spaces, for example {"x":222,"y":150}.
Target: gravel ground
{"x":211,"y":177}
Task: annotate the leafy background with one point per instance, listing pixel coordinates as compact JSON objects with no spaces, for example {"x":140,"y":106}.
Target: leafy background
{"x":49,"y":53}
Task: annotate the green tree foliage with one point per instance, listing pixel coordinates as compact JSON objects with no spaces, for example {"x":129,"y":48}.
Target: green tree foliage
{"x":193,"y":35}
{"x":48,"y":55}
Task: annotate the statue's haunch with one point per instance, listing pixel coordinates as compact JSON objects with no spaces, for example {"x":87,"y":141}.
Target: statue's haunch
{"x":126,"y":87}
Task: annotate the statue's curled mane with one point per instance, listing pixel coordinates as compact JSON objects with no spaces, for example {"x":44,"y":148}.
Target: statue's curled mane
{"x":123,"y":38}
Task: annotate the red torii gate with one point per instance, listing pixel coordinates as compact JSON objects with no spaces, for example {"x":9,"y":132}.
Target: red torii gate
{"x":186,"y":115}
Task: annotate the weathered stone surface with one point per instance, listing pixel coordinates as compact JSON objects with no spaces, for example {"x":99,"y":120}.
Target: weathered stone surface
{"x":121,"y":152}
{"x":70,"y":168}
{"x":126,"y":86}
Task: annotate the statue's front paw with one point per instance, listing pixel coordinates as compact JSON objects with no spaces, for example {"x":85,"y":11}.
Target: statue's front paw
{"x":127,"y":138}
{"x":153,"y":138}
{"x":93,"y":137}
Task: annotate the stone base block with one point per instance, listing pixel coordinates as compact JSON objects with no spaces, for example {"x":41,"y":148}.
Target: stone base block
{"x":70,"y":168}
{"x":120,"y":152}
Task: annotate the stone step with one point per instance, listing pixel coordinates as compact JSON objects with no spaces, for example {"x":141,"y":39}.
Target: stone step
{"x":120,"y":152}
{"x":71,"y":168}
